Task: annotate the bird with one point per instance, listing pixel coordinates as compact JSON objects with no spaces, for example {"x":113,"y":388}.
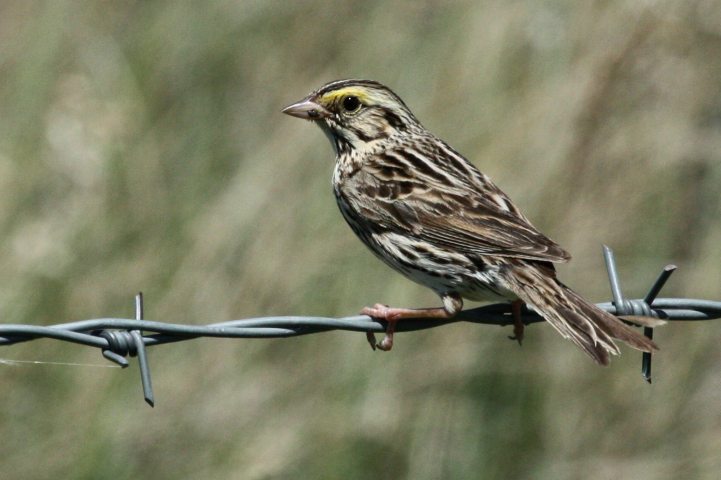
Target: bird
{"x":429,"y":213}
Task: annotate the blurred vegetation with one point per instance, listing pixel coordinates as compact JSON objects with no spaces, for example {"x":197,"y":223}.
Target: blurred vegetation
{"x":142,"y":148}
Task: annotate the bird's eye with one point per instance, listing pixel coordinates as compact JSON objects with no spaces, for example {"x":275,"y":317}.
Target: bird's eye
{"x":351,"y":103}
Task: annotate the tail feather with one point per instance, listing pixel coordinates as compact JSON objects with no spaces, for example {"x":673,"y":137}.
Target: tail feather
{"x":612,"y":325}
{"x":584,"y":333}
{"x":586,"y":325}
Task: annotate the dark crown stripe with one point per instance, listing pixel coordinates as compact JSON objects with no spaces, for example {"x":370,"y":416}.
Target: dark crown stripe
{"x":371,"y":84}
{"x":338,"y":84}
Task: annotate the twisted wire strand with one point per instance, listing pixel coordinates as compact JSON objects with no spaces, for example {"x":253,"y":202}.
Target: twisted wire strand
{"x":89,"y":332}
{"x":122,"y":337}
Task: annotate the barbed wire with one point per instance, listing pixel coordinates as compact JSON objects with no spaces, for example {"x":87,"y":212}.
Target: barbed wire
{"x":119,"y":338}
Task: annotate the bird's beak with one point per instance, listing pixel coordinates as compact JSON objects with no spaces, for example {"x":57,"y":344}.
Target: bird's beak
{"x":307,"y":109}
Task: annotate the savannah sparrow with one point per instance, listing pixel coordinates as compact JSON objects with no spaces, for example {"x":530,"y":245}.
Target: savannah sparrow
{"x":426,"y":211}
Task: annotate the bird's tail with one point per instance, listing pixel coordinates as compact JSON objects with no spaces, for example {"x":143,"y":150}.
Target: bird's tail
{"x":586,"y":325}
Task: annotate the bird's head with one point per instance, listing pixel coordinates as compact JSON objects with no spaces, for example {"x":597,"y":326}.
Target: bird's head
{"x":355,"y":113}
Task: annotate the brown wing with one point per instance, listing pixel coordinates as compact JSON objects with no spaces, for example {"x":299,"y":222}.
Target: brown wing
{"x":446,"y":202}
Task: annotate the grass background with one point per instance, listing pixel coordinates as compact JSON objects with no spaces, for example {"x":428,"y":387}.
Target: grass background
{"x":142,"y":148}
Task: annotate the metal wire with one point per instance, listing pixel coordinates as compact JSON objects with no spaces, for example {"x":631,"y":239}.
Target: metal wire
{"x":119,"y":338}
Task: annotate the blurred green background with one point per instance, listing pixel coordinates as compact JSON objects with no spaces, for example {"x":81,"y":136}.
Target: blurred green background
{"x":142,"y":148}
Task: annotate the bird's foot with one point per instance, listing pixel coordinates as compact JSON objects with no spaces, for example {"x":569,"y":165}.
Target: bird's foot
{"x":518,"y":325}
{"x":378,"y":311}
{"x":390,"y":315}
{"x":517,"y":334}
{"x":387,"y":343}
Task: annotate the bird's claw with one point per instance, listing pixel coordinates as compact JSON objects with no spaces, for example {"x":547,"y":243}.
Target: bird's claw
{"x":517,"y":334}
{"x":380,"y":312}
{"x":518,"y":325}
{"x":386,"y":344}
{"x":371,"y":337}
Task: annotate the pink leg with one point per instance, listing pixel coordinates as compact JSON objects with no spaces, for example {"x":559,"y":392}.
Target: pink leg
{"x":452,"y":304}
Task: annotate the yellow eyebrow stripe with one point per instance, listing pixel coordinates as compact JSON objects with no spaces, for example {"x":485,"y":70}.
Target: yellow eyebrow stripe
{"x":333,"y":96}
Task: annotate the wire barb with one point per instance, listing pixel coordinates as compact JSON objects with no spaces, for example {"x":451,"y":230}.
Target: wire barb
{"x":636,"y":307}
{"x":142,"y":356}
{"x":650,"y":297}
